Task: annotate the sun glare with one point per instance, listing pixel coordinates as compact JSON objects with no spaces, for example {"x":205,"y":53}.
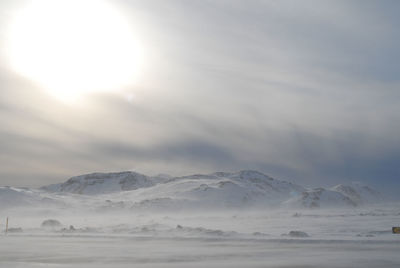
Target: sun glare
{"x":72,"y":47}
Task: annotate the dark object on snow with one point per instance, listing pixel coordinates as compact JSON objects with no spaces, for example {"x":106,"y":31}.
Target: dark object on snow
{"x":51,"y":223}
{"x":72,"y":228}
{"x":296,"y":234}
{"x":15,"y":230}
{"x":396,"y":230}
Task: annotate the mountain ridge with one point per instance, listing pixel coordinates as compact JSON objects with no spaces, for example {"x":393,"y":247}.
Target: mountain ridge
{"x":242,"y":189}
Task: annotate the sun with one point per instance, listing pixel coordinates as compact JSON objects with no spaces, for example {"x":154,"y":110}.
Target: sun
{"x":73,"y":47}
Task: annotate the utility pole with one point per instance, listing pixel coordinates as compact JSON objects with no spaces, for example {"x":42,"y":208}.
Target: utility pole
{"x":7,"y":225}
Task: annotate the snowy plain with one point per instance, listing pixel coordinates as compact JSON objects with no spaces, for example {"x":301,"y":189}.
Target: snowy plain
{"x":336,"y":238}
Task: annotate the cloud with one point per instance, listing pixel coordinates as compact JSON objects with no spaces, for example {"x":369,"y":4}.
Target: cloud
{"x":306,"y":91}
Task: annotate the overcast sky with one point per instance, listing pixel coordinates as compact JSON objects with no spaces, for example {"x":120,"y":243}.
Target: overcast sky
{"x":306,"y":91}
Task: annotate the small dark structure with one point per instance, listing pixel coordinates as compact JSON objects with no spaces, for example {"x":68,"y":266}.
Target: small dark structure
{"x":15,"y":230}
{"x":51,"y":223}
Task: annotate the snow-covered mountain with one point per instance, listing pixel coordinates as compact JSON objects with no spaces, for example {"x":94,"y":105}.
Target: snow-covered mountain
{"x":359,"y":193}
{"x":243,"y":189}
{"x":352,"y":195}
{"x":12,"y":197}
{"x":217,"y":190}
{"x":221,"y":189}
{"x":321,"y":198}
{"x":102,"y":183}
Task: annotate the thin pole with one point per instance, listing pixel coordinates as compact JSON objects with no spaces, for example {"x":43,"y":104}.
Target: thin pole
{"x":7,"y":225}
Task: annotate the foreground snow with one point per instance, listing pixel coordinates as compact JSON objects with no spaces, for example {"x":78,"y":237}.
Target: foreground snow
{"x":105,"y":251}
{"x":260,"y":238}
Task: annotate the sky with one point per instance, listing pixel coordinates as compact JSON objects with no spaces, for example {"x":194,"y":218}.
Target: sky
{"x":305,"y":91}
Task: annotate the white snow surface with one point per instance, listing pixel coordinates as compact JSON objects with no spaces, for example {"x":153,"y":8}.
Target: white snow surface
{"x":337,"y":238}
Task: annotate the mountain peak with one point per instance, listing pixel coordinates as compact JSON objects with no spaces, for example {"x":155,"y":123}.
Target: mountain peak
{"x":100,"y":183}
